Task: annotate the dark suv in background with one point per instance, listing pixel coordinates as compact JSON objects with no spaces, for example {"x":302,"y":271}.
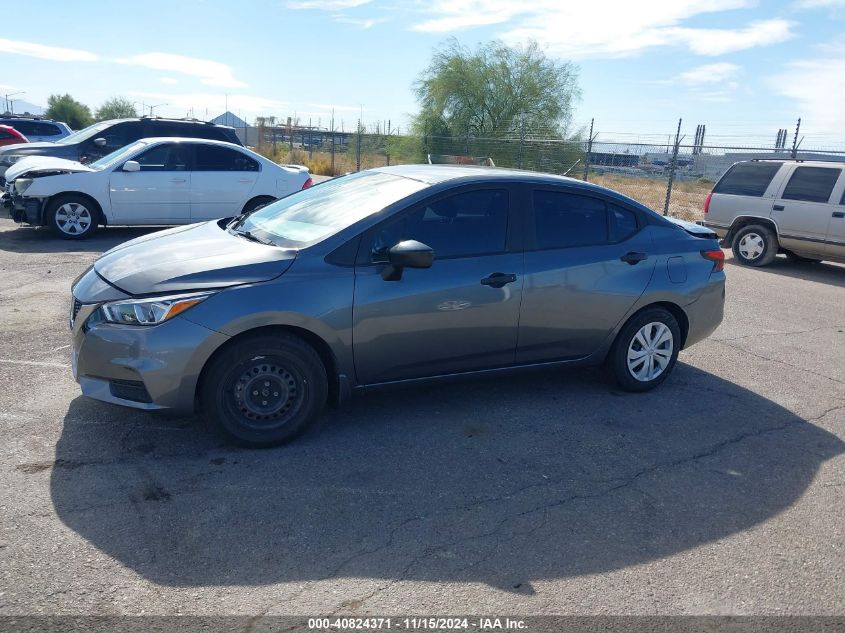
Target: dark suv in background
{"x":102,"y":138}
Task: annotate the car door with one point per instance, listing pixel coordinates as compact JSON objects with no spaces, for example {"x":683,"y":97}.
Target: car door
{"x":459,"y":315}
{"x":803,"y":210}
{"x":222,"y":181}
{"x":160,"y":193}
{"x":587,"y":261}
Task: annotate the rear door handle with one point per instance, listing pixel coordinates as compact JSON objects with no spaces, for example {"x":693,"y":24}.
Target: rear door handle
{"x":633,"y":258}
{"x":778,"y":207}
{"x":178,"y":180}
{"x":497,"y":280}
{"x":839,"y":214}
{"x":245,"y":180}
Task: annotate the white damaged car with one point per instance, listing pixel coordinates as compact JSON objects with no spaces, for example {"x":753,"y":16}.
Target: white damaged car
{"x":153,"y":181}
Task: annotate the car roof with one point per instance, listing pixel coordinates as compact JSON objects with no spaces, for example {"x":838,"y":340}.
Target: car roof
{"x":187,"y":139}
{"x":157,"y":119}
{"x":799,"y":162}
{"x":435,"y":174}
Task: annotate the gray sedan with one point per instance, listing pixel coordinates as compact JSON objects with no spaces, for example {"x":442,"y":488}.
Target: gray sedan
{"x":385,"y":276}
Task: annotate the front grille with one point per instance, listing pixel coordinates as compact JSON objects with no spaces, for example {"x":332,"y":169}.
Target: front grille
{"x":74,"y":310}
{"x":133,"y":390}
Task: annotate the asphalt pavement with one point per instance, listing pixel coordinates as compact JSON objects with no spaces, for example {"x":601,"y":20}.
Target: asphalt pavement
{"x":722,"y":492}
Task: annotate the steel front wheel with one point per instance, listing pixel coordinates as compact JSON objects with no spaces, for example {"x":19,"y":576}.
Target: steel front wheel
{"x":264,"y":390}
{"x":755,"y":245}
{"x":72,"y":217}
{"x":645,"y":351}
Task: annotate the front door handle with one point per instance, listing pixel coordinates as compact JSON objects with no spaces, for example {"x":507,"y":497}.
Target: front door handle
{"x":497,"y":280}
{"x":839,"y":214}
{"x":245,"y":180}
{"x":778,"y":207}
{"x":178,"y":180}
{"x":633,"y":258}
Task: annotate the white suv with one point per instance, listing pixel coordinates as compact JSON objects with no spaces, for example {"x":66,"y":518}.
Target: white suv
{"x":764,"y":207}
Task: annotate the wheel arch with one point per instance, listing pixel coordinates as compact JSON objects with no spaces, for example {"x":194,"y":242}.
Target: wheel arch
{"x":320,"y":346}
{"x":674,"y":309}
{"x":261,"y":199}
{"x":101,"y":218}
{"x":749,"y":220}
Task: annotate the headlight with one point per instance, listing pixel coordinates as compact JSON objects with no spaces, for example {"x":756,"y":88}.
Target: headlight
{"x":151,"y":311}
{"x":22,"y":184}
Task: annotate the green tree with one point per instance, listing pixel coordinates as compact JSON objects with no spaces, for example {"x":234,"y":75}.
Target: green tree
{"x":66,"y":108}
{"x":116,"y":108}
{"x":488,"y":91}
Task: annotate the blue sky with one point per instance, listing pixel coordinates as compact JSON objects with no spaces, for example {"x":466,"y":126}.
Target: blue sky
{"x":743,"y":67}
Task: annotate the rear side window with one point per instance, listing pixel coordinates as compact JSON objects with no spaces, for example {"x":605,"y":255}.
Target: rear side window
{"x":623,"y":222}
{"x":747,"y":179}
{"x":563,"y":220}
{"x":218,"y":158}
{"x":811,"y":184}
{"x":463,"y":225}
{"x":5,"y":134}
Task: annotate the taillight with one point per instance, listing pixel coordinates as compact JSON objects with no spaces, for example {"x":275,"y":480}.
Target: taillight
{"x":308,"y":183}
{"x":707,"y":202}
{"x":717,"y":257}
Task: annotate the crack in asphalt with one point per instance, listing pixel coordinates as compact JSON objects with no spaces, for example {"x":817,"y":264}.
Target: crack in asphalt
{"x":790,"y":333}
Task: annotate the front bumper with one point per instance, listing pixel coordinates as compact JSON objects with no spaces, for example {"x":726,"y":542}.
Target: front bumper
{"x":154,"y":367}
{"x":22,"y":209}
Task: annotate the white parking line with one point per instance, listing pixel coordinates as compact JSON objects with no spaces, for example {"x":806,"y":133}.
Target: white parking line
{"x":34,"y":363}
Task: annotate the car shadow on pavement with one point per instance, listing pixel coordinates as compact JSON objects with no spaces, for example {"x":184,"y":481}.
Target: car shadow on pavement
{"x":821,"y":272}
{"x":503,"y":480}
{"x":28,"y":239}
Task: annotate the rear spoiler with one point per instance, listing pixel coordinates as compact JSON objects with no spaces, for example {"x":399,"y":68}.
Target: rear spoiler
{"x":696,"y":230}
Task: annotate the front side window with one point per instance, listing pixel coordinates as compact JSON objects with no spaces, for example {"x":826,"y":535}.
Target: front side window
{"x":747,"y":179}
{"x":811,"y":184}
{"x":164,"y":157}
{"x":463,"y":225}
{"x":219,"y":158}
{"x":564,"y":220}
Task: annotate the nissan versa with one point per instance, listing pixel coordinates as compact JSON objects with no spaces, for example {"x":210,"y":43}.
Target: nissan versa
{"x":390,"y":275}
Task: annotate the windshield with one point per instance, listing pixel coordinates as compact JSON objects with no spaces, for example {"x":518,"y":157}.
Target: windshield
{"x":116,"y":156}
{"x":309,"y":216}
{"x":85,"y":134}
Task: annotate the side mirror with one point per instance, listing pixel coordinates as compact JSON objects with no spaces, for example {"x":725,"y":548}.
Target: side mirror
{"x":407,"y":254}
{"x":131,"y":165}
{"x":100,"y":142}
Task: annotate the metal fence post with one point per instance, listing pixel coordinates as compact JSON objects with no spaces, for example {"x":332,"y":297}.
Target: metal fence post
{"x":521,"y":140}
{"x":333,"y":143}
{"x":795,"y":141}
{"x":672,"y":165}
{"x":358,"y":149}
{"x":589,"y":151}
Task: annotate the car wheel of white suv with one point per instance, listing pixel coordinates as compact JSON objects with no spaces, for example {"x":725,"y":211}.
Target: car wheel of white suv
{"x":755,"y":245}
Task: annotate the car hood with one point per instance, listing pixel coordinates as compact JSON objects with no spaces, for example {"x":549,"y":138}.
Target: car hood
{"x":44,"y":165}
{"x":190,"y":257}
{"x":35,"y":149}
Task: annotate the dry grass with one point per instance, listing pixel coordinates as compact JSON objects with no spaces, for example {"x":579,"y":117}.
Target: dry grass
{"x":320,"y":162}
{"x":687,"y":196}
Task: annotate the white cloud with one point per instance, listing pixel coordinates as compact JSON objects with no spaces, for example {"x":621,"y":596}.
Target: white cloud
{"x":820,"y":4}
{"x":605,"y":27}
{"x":364,"y":23}
{"x":814,"y":84}
{"x":709,"y":74}
{"x":168,"y":80}
{"x":327,"y":5}
{"x":209,"y":72}
{"x":40,"y":51}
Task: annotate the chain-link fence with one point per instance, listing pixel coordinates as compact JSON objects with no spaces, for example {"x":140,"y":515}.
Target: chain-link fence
{"x":670,"y":177}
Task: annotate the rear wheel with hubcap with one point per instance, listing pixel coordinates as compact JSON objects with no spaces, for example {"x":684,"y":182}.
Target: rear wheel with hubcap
{"x":645,"y":351}
{"x":755,"y":245}
{"x":72,"y":217}
{"x":264,"y":390}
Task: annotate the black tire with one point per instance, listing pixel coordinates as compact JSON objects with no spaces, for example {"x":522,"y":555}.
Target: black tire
{"x":793,"y":257}
{"x":264,"y":390}
{"x":72,"y":217}
{"x":617,"y":360}
{"x":755,"y":245}
{"x":257,"y":203}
